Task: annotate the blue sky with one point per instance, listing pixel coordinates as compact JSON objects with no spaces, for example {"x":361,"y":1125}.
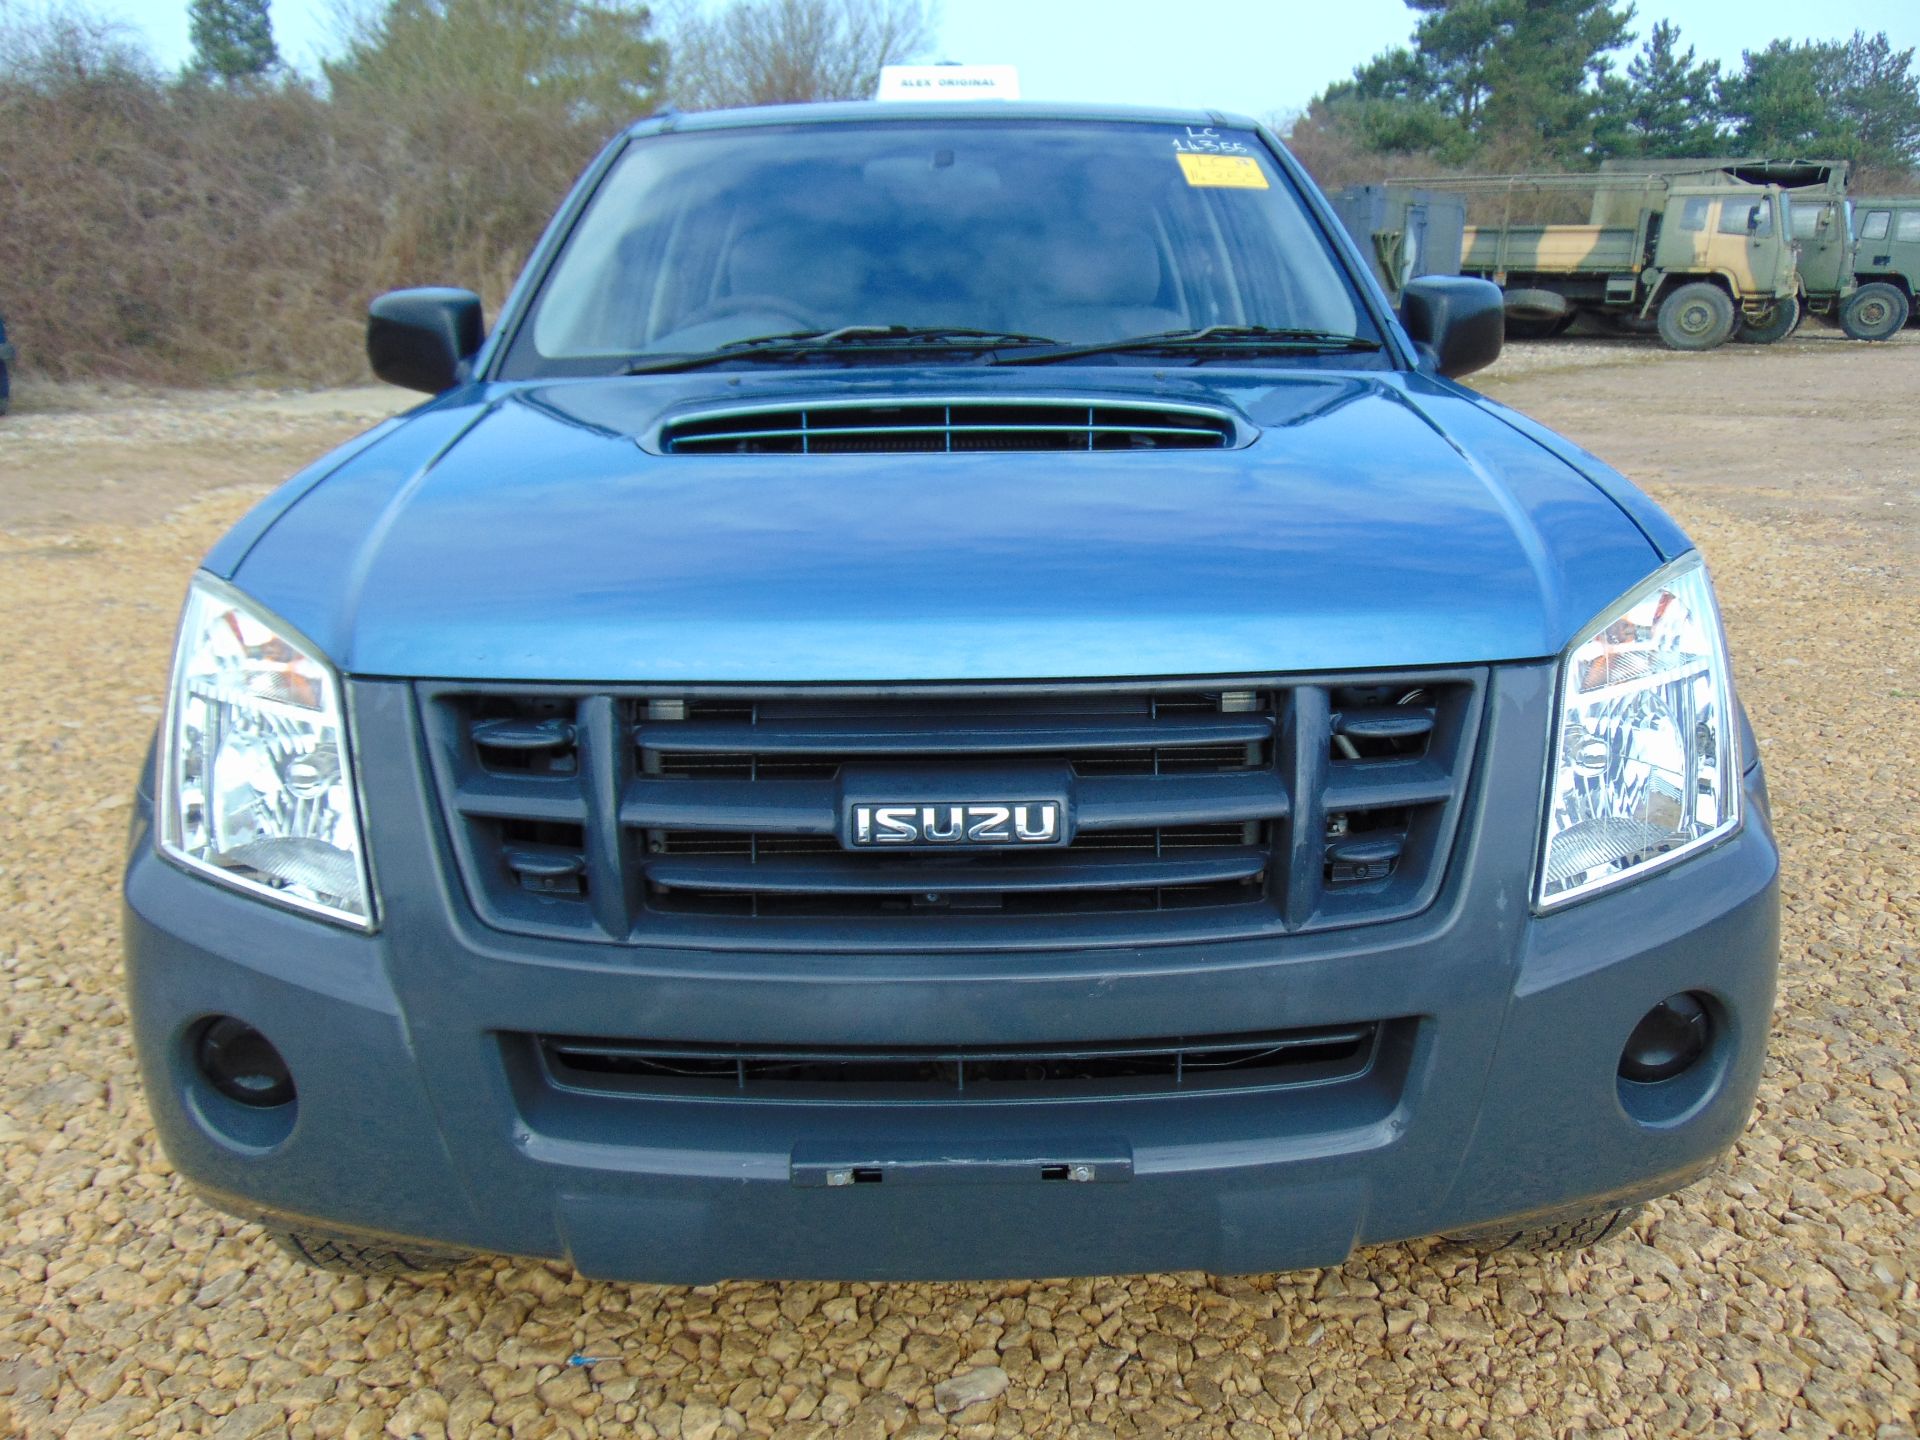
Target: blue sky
{"x":1259,"y":57}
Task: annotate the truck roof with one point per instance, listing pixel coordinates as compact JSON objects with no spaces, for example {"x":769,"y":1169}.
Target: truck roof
{"x":1584,"y":181}
{"x":868,"y":111}
{"x":1793,"y":174}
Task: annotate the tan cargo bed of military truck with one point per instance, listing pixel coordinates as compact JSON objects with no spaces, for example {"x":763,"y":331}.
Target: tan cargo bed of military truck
{"x":1695,"y":259}
{"x":1570,"y":248}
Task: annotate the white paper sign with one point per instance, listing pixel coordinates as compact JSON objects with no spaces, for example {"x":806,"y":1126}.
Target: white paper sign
{"x":949,"y":82}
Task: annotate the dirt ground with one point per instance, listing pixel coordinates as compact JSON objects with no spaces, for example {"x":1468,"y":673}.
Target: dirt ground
{"x":1779,"y":1297}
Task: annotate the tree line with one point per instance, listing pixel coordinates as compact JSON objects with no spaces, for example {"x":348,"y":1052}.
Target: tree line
{"x":229,"y":221}
{"x":1513,"y":84}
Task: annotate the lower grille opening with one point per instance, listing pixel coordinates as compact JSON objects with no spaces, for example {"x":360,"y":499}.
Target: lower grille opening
{"x":852,"y":883}
{"x":1146,"y":1067}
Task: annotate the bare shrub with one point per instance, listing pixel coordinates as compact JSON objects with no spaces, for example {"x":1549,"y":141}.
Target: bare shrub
{"x":183,"y":233}
{"x":778,"y":52}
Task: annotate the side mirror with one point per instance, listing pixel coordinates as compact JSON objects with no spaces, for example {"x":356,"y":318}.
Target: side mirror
{"x":1458,"y":323}
{"x":418,"y":338}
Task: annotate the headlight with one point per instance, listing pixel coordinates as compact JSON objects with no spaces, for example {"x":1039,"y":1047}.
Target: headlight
{"x":256,"y":783}
{"x":1646,"y":764}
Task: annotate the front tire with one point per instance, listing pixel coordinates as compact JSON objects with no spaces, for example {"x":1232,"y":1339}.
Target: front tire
{"x":1697,"y":316}
{"x":1522,"y":328}
{"x":373,"y":1257}
{"x":1782,"y":322}
{"x":1578,"y":1233}
{"x":1874,"y":312}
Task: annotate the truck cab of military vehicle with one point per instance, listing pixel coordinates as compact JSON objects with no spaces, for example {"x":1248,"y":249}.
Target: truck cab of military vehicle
{"x":1887,"y":256}
{"x":947,"y":692}
{"x":1739,"y":239}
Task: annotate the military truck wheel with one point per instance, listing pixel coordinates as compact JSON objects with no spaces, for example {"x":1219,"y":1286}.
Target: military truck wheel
{"x":1697,"y":316}
{"x":1782,"y":322}
{"x":351,"y":1257}
{"x":1526,"y":328}
{"x":1535,"y":304}
{"x":1874,"y":312}
{"x":1575,"y":1234}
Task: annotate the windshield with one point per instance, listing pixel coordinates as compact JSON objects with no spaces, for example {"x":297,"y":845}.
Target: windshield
{"x":1059,"y":231}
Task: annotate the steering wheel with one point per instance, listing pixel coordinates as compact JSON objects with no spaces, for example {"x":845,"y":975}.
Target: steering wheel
{"x":753,"y":305}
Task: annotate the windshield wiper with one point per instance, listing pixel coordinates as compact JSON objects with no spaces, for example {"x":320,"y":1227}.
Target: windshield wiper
{"x":1225,"y":339}
{"x":842,"y":338}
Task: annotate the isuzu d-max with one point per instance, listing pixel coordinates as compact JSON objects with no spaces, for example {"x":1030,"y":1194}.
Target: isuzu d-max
{"x":947,"y":693}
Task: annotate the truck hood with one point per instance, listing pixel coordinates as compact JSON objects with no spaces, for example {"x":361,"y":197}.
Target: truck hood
{"x":525,"y":533}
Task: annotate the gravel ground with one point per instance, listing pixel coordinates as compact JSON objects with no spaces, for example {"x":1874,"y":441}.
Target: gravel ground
{"x":1782,"y":1296}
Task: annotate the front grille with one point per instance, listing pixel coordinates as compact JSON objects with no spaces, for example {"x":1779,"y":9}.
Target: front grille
{"x":948,"y":427}
{"x":981,"y":1074}
{"x":715,"y":817}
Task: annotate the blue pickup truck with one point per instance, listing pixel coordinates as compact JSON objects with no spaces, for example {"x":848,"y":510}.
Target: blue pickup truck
{"x":948,"y":692}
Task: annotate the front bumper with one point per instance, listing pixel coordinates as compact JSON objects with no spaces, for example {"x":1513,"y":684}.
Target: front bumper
{"x":1499,"y":1100}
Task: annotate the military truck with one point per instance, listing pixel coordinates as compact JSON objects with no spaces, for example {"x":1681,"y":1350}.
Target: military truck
{"x":1839,"y":281}
{"x":1886,"y":235}
{"x":1696,"y":256}
{"x":1403,"y":234}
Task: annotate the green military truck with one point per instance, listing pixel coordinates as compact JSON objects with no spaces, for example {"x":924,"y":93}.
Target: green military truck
{"x":1886,"y":233}
{"x":1696,"y":256}
{"x":1839,"y":277}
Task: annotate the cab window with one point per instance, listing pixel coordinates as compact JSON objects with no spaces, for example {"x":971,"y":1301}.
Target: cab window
{"x":1746,"y":217}
{"x":1693,"y":214}
{"x":1806,"y":221}
{"x":1906,"y":228}
{"x":1874,"y":227}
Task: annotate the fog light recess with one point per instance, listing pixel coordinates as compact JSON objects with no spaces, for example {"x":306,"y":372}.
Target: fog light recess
{"x":1669,"y":1039}
{"x":1675,"y":1060}
{"x":242,"y":1064}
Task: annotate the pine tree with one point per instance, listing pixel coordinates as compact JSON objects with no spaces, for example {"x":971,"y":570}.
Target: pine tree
{"x":1855,"y":99}
{"x":1666,"y":105}
{"x":232,"y":40}
{"x":1517,"y":75}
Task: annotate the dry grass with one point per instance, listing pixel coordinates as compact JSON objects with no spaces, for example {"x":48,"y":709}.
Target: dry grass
{"x":180,"y":234}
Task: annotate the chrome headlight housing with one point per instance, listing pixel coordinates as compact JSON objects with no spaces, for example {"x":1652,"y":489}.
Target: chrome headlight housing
{"x":256,"y":784}
{"x":1646,"y":763}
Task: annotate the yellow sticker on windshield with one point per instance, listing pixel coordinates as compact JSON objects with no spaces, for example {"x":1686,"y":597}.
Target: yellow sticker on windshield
{"x":1233,"y":172}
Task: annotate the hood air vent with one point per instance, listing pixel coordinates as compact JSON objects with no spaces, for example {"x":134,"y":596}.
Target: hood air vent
{"x":949,"y":427}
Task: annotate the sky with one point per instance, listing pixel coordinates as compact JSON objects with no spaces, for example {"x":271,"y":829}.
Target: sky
{"x":1255,"y":57}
